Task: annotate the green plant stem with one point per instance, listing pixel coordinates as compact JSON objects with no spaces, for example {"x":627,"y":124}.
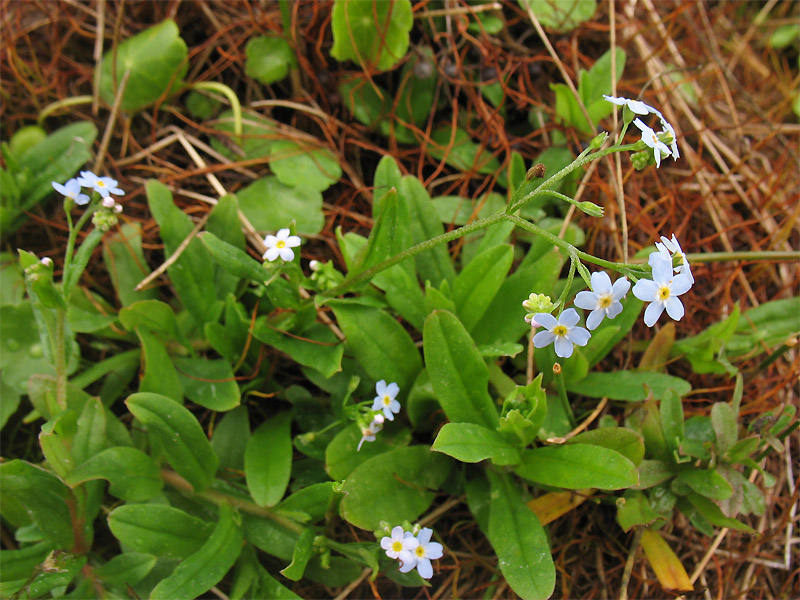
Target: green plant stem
{"x":562,"y":395}
{"x":60,"y":358}
{"x":73,"y":233}
{"x":236,"y":107}
{"x":563,"y":297}
{"x":355,"y":279}
{"x":218,"y":498}
{"x":578,"y":162}
{"x":66,"y":102}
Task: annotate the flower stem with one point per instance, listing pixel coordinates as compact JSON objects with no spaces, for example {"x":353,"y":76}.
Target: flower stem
{"x":562,"y":393}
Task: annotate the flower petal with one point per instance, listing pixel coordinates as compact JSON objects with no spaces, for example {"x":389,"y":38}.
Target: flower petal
{"x":595,"y":318}
{"x":392,"y":389}
{"x":662,"y":270}
{"x":380,"y":387}
{"x":601,"y":282}
{"x":287,"y":254}
{"x":546,"y":320}
{"x":543,"y":338}
{"x":270,"y":241}
{"x":434,"y":550}
{"x":586,"y":300}
{"x":272,"y":253}
{"x":578,"y":336}
{"x":563,"y":347}
{"x":569,"y":317}
{"x":645,"y":290}
{"x":424,"y":536}
{"x":680,"y":284}
{"x":652,"y":313}
{"x":620,"y":288}
{"x":425,"y":569}
{"x":612,"y":311}
{"x":283,"y":234}
{"x":675,"y":308}
{"x":293,"y":241}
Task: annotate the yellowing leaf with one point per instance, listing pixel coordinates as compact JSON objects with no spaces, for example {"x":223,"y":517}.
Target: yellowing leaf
{"x":555,"y":504}
{"x":666,"y":565}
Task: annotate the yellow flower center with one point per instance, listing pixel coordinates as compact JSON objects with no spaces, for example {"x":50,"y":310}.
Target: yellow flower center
{"x":420,"y":551}
{"x":604,"y":302}
{"x":387,"y":400}
{"x":559,"y":330}
{"x":280,"y":244}
{"x":100,"y":184}
{"x":663,"y":293}
{"x":397,"y":546}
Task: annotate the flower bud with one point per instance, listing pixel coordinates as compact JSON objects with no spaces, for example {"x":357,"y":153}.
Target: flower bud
{"x":640,"y":160}
{"x":599,"y":140}
{"x":537,"y":171}
{"x":537,"y":303}
{"x":591,"y":209}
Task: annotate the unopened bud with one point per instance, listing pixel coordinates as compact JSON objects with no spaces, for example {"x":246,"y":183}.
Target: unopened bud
{"x":599,"y":140}
{"x":47,"y":261}
{"x":591,"y":209}
{"x":640,"y":160}
{"x":537,"y":171}
{"x":537,"y":303}
{"x":108,"y":202}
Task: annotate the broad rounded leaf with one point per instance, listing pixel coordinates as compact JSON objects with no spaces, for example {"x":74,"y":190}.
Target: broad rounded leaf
{"x":394,"y":486}
{"x":304,"y":167}
{"x":268,"y":59}
{"x":157,"y":60}
{"x":268,"y":460}
{"x":372,"y":33}
{"x":271,"y":205}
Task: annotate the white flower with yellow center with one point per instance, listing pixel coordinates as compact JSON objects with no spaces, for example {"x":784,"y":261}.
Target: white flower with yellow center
{"x":385,"y":399}
{"x":636,"y":106}
{"x":650,"y":138}
{"x":418,"y":553}
{"x":395,"y":544}
{"x":368,"y":432}
{"x":604,"y":299}
{"x":562,"y":331}
{"x":102,"y":185}
{"x":663,"y":291}
{"x":671,"y":249}
{"x":71,"y":189}
{"x":280,"y":245}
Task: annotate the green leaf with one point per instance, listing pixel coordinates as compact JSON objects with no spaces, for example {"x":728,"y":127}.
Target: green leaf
{"x":578,"y":466}
{"x":235,"y":261}
{"x":183,"y":441}
{"x":313,"y":500}
{"x":765,"y":326}
{"x":300,"y":556}
{"x":382,"y":239}
{"x":230,"y":439}
{"x":671,"y":412}
{"x":373,"y":34}
{"x":433,"y":265}
{"x":192,"y":271}
{"x":268,"y":59}
{"x":456,"y":148}
{"x":302,"y":166}
{"x":394,"y":486}
{"x":125,"y":262}
{"x":342,"y":456}
{"x":206,"y":567}
{"x":133,"y":475}
{"x":56,"y":158}
{"x":478,"y":283}
{"x":457,"y":371}
{"x":258,"y":135}
{"x":635,"y":511}
{"x":706,"y":482}
{"x":159,"y":372}
{"x":561,"y":15}
{"x":22,"y":354}
{"x":158,"y":529}
{"x":712,"y":513}
{"x":128,"y":568}
{"x":90,"y":435}
{"x":268,"y":460}
{"x":519,"y":541}
{"x":625,"y":441}
{"x":209,"y":383}
{"x":379,"y":343}
{"x":318,"y":347}
{"x":42,"y":496}
{"x":628,"y":385}
{"x":153,"y":315}
{"x":724,"y":422}
{"x":706,"y":350}
{"x":270,"y":205}
{"x":472,"y":443}
{"x":653,"y":472}
{"x":19,"y":564}
{"x":157,"y":61}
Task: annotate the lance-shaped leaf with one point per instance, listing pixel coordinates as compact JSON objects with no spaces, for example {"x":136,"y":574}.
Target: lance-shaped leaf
{"x":476,"y":286}
{"x":519,"y":541}
{"x":382,"y":239}
{"x":206,"y":567}
{"x":268,"y":460}
{"x":158,"y":529}
{"x":234,"y":260}
{"x":132,"y":474}
{"x":629,"y":385}
{"x":182,"y":438}
{"x":577,"y":466}
{"x":457,"y":371}
{"x":666,"y":565}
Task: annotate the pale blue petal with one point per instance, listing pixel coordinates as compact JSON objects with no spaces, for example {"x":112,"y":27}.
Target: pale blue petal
{"x":675,"y":308}
{"x":543,"y":338}
{"x":652,"y":312}
{"x":601,"y":282}
{"x":595,"y":318}
{"x":645,"y":290}
{"x":579,"y":336}
{"x":620,"y":288}
{"x":680,"y":285}
{"x":380,"y":387}
{"x":546,"y":320}
{"x":563,"y":347}
{"x":612,"y":311}
{"x":392,"y":389}
{"x":424,"y":536}
{"x":586,"y":300}
{"x":662,"y":271}
{"x":434,"y":550}
{"x":569,"y":317}
{"x":425,"y":569}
